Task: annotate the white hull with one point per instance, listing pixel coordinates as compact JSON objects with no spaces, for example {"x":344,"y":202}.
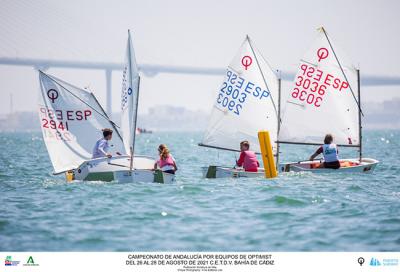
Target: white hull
{"x":118,"y":169}
{"x":228,"y":172}
{"x":367,"y":165}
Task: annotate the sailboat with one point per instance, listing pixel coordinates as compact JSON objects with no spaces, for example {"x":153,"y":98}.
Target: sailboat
{"x":72,"y":120}
{"x":245,"y":104}
{"x":325,"y":98}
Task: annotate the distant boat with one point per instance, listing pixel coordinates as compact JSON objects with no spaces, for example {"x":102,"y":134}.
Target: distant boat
{"x":143,"y":131}
{"x":72,"y":120}
{"x":245,"y":104}
{"x":325,"y":98}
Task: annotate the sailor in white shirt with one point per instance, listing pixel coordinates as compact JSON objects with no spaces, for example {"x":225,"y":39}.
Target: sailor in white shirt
{"x":101,"y":148}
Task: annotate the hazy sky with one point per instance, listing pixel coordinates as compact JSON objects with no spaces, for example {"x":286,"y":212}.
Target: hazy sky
{"x":204,"y":33}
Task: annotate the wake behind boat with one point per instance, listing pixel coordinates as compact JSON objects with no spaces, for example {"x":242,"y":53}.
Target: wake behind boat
{"x":322,"y":101}
{"x":71,"y":119}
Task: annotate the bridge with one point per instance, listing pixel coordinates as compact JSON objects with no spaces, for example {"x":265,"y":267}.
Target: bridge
{"x":152,"y":70}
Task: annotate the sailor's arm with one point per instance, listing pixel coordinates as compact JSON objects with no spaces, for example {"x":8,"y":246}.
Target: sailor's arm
{"x":102,"y":151}
{"x":319,"y":151}
{"x":241,"y":159}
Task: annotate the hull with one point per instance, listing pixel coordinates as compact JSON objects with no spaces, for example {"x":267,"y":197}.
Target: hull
{"x":126,"y":176}
{"x":228,"y":172}
{"x":118,"y":169}
{"x":366,"y":165}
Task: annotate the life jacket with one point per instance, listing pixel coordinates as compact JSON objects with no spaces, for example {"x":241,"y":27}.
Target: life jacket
{"x":330,"y":152}
{"x":250,"y":161}
{"x":167,"y":163}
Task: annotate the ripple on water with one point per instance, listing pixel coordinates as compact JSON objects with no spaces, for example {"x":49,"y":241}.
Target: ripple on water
{"x":3,"y":224}
{"x":296,"y":211}
{"x":282,"y":200}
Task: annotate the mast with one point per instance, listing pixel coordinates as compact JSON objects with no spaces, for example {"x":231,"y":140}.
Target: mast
{"x":277,"y":112}
{"x":279,"y":120}
{"x":341,"y":68}
{"x":133,"y":131}
{"x":134,"y":127}
{"x":359,"y":113}
{"x":262,"y":74}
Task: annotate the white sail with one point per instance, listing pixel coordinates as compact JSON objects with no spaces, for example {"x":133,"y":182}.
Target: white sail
{"x":71,"y":121}
{"x":245,"y":104}
{"x":322,"y":99}
{"x":129,"y":98}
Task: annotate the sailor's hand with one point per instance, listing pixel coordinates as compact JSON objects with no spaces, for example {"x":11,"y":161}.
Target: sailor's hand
{"x":119,"y":154}
{"x":109,"y":155}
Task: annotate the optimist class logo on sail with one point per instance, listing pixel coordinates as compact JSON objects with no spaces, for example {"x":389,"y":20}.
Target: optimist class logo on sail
{"x":312,"y":82}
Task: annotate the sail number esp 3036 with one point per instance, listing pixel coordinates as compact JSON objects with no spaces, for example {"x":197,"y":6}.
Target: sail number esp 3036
{"x":311,"y":85}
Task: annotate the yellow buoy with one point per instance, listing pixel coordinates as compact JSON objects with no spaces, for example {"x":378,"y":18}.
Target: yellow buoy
{"x":267,"y":154}
{"x":69,"y":175}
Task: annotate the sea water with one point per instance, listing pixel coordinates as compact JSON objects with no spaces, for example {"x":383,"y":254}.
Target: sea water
{"x":294,"y":212}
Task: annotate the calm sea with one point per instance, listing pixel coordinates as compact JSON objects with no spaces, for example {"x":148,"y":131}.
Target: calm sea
{"x":294,"y":212}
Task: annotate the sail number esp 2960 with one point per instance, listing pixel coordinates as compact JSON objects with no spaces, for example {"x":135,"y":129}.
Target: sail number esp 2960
{"x":236,"y":90}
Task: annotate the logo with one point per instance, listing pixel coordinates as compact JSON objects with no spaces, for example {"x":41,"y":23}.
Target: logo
{"x":247,"y":61}
{"x":390,"y":262}
{"x":374,"y":262}
{"x":30,"y":262}
{"x":361,"y":261}
{"x":9,"y":262}
{"x":52,"y":95}
{"x":322,"y":53}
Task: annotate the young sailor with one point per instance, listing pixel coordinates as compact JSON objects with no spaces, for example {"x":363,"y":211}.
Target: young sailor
{"x":330,"y":152}
{"x":166,"y":162}
{"x":247,"y":159}
{"x":101,"y":147}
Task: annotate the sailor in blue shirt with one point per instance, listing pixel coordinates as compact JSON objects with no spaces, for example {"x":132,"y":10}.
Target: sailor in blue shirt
{"x":330,"y":152}
{"x":101,"y":148}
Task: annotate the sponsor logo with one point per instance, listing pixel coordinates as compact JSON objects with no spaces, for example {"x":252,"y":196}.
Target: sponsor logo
{"x":9,"y":262}
{"x":361,"y":261}
{"x":390,"y":262}
{"x":374,"y":262}
{"x":30,"y":262}
{"x":384,"y":262}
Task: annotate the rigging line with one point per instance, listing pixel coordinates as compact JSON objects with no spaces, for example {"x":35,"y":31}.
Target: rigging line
{"x":101,"y":114}
{"x":262,"y":74}
{"x":112,"y":123}
{"x":341,"y":68}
